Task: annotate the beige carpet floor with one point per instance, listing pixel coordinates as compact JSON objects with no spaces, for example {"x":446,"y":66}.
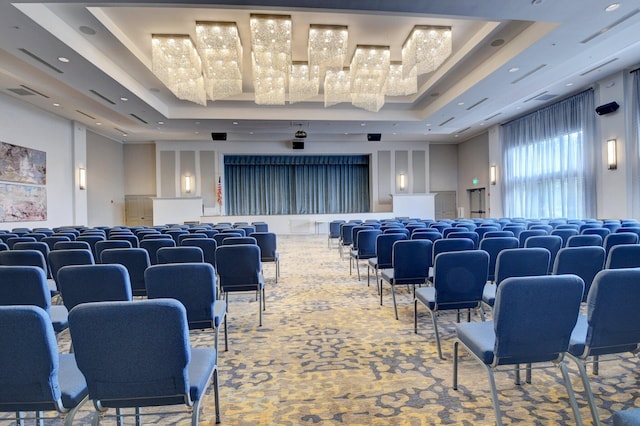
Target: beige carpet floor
{"x":329,"y":354}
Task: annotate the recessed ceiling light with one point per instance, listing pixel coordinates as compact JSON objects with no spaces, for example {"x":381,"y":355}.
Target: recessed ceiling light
{"x":197,"y":122}
{"x":514,"y":69}
{"x":363,"y":124}
{"x":87,"y":30}
{"x":235,"y":123}
{"x":394,"y":133}
{"x":612,"y":7}
{"x":482,"y":124}
{"x":455,"y":136}
{"x":63,"y":59}
{"x":460,"y":103}
{"x":569,"y":84}
{"x":125,"y":135}
{"x":250,"y":133}
{"x":98,"y":124}
{"x":196,"y":132}
{"x":123,"y":99}
{"x":428,"y":124}
{"x":56,"y":104}
{"x":160,"y":122}
{"x":497,"y":42}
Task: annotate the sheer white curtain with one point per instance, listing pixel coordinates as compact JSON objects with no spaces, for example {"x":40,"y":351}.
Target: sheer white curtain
{"x":548,"y":161}
{"x":634,"y":146}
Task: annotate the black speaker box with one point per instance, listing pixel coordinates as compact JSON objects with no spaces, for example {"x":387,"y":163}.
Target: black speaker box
{"x":219,"y":136}
{"x":374,"y":137}
{"x":607,"y":108}
{"x":297,"y":144}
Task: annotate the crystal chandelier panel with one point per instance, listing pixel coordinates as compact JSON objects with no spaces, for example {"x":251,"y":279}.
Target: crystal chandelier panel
{"x":328,"y":47}
{"x":337,"y":87}
{"x":176,"y":63}
{"x":397,"y":85}
{"x":219,"y":46}
{"x":426,"y":49}
{"x":269,"y":85}
{"x":304,"y":82}
{"x":271,"y":57}
{"x":369,"y":72}
{"x":369,"y":101}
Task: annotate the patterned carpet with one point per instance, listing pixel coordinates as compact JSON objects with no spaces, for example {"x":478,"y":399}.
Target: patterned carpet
{"x":329,"y":354}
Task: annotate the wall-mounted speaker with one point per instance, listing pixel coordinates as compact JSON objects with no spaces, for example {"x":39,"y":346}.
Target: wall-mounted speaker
{"x":374,"y":137}
{"x":297,"y":144}
{"x":219,"y":136}
{"x":607,"y":108}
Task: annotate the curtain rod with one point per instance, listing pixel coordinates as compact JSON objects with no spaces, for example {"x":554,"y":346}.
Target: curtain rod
{"x":632,"y":71}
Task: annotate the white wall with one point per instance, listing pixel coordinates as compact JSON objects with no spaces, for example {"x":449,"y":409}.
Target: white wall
{"x":21,"y":124}
{"x":443,"y":167}
{"x":140,"y":169}
{"x":105,"y":181}
{"x":473,"y":163}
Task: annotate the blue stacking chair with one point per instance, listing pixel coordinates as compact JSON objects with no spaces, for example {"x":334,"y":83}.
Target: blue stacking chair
{"x":13,"y":241}
{"x":411,"y":260}
{"x":137,"y":354}
{"x":553,"y":243}
{"x":584,"y":240}
{"x":35,"y":377}
{"x":346,"y":237}
{"x":268,"y":243}
{"x":483,"y":229}
{"x":623,"y":256}
{"x":207,"y":245}
{"x":240,"y":270}
{"x":512,"y":338}
{"x":239,"y":240}
{"x":451,"y":244}
{"x":195,"y":286}
{"x":472,"y":235}
{"x":4,"y":247}
{"x":39,"y":246}
{"x":584,"y":262}
{"x":136,"y":260}
{"x":59,"y":258}
{"x":261,"y":226}
{"x":515,"y":228}
{"x":52,"y":240}
{"x":547,"y":228}
{"x":334,"y":231}
{"x":183,"y":237}
{"x":384,"y":251}
{"x":366,"y":248}
{"x":27,"y":285}
{"x":94,"y":283}
{"x":530,"y":233}
{"x":519,"y":262}
{"x":72,"y":245}
{"x":603,"y":232}
{"x":610,"y":325}
{"x":135,"y":243}
{"x":493,"y":246}
{"x":459,"y":278}
{"x":565,"y":234}
{"x":109,"y":244}
{"x":185,"y":254}
{"x":619,"y":238}
{"x":494,"y":234}
{"x":92,"y":240}
{"x":152,"y":246}
{"x":628,"y":417}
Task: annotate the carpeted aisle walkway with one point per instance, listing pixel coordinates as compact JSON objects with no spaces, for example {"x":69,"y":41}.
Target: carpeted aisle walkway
{"x":329,"y":354}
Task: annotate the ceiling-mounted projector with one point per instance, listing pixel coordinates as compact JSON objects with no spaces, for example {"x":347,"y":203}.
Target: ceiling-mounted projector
{"x":301,"y":134}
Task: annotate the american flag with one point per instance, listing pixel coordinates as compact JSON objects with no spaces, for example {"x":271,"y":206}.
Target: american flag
{"x":219,"y":192}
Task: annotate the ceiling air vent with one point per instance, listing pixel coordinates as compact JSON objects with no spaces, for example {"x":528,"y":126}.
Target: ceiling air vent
{"x":139,"y":119}
{"x":522,"y":77}
{"x":476,"y":104}
{"x":446,"y":121}
{"x":610,"y":27}
{"x":85,"y":114}
{"x":39,"y":59}
{"x":21,"y":92}
{"x":101,"y":96}
{"x":545,"y":97}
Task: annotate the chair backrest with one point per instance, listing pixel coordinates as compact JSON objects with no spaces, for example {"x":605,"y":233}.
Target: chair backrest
{"x":459,"y":278}
{"x":334,"y":228}
{"x":39,"y":246}
{"x":183,"y":237}
{"x":345,"y":233}
{"x":175,"y":233}
{"x":109,"y":244}
{"x":412,"y":260}
{"x":384,"y":248}
{"x":493,"y":247}
{"x":554,"y":302}
{"x":157,"y":236}
{"x":133,"y":351}
{"x":565,"y":234}
{"x":530,"y":233}
{"x":24,"y":258}
{"x":553,"y":243}
{"x":268,"y":243}
{"x":136,"y":260}
{"x":354,"y":234}
{"x":184,"y":254}
{"x":239,"y":267}
{"x":13,"y":241}
{"x":584,"y":240}
{"x":623,"y":256}
{"x":153,"y":245}
{"x":24,"y":285}
{"x":239,"y":232}
{"x":426,"y":234}
{"x":3,"y":247}
{"x":584,"y":262}
{"x":59,"y":258}
{"x":37,"y":235}
{"x":135,"y":243}
{"x":547,"y":228}
{"x":516,"y":229}
{"x":93,"y":283}
{"x":522,"y":262}
{"x":613,"y":312}
{"x":239,"y":240}
{"x":29,"y":362}
{"x":451,"y":244}
{"x":193,"y":284}
{"x":496,"y":234}
{"x":366,"y":242}
{"x":92,"y":240}
{"x":619,"y":238}
{"x":472,"y":235}
{"x":52,"y":240}
{"x":72,"y":245}
{"x":603,"y":232}
{"x":207,"y":245}
{"x":483,"y":229}
{"x":264,"y":227}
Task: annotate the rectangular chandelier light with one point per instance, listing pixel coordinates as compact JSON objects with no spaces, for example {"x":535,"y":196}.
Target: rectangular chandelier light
{"x":369,"y":71}
{"x":328,"y":46}
{"x":220,"y":49}
{"x":271,"y":57}
{"x":176,"y":63}
{"x":337,"y":87}
{"x":426,"y":48}
{"x":304,"y":81}
{"x":397,"y":85}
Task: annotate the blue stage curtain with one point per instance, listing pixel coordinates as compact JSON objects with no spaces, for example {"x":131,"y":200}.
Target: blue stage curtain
{"x":548,"y":161}
{"x":280,"y":184}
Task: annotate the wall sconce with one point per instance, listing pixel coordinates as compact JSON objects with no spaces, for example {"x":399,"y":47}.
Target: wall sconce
{"x":187,"y":184}
{"x":612,"y":156}
{"x":493,"y":174}
{"x":403,"y":181}
{"x":82,"y":178}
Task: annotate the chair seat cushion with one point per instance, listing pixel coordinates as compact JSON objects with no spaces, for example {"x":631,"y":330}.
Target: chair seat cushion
{"x":629,"y":417}
{"x":479,"y":338}
{"x":373,"y":262}
{"x":387,"y":275}
{"x":578,"y":337}
{"x":59,"y":318}
{"x":201,"y":366}
{"x":489,"y":294}
{"x":73,"y":386}
{"x":219,"y":311}
{"x":427,"y":296}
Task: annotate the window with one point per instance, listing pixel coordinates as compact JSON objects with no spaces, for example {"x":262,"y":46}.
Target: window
{"x":270,"y":185}
{"x":548,"y":161}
